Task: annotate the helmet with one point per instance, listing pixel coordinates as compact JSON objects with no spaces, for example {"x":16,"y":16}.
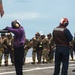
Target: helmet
{"x":9,"y":34}
{"x":3,"y":34}
{"x":64,"y":22}
{"x":15,"y":24}
{"x":42,"y":34}
{"x":49,"y":34}
{"x":37,"y":34}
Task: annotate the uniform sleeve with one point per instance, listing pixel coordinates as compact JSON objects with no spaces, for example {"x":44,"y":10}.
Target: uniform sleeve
{"x":10,"y":29}
{"x":68,"y":35}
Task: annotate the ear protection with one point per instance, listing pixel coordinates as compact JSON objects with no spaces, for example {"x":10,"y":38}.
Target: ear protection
{"x":64,"y":22}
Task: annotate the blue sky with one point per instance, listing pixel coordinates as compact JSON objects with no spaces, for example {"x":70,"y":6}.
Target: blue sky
{"x":38,"y":15}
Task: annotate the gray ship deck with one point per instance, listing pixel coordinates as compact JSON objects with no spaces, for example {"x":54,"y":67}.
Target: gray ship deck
{"x":37,"y":69}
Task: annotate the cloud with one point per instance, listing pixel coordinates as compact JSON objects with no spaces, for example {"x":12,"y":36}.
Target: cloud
{"x":27,"y":16}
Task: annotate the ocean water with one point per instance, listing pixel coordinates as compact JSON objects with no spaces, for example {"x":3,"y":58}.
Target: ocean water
{"x":29,"y":53}
{"x":28,"y":57}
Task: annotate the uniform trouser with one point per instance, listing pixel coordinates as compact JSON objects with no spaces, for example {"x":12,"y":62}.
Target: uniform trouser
{"x":18,"y":59}
{"x":71,"y":53}
{"x":39,"y":54}
{"x":6,"y":55}
{"x":1,"y":54}
{"x":61,"y":55}
{"x":12,"y":56}
{"x":34,"y":56}
{"x":51,"y":54}
{"x":25,"y":53}
{"x":45,"y":53}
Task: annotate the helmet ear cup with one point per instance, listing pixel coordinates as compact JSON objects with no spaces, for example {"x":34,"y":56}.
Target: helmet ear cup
{"x":15,"y":25}
{"x":64,"y":22}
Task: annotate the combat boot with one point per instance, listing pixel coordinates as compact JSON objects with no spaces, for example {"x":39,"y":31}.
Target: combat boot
{"x":73,"y":70}
{"x":6,"y":63}
{"x":12,"y":64}
{"x":32,"y":62}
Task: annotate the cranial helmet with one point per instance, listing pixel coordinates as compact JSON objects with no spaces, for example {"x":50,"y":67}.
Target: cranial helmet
{"x":64,"y":22}
{"x":9,"y":34}
{"x":3,"y":34}
{"x":37,"y":34}
{"x":42,"y":35}
{"x":15,"y":24}
{"x":49,"y":34}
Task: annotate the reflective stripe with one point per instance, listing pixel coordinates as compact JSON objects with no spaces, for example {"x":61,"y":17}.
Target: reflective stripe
{"x":59,"y":29}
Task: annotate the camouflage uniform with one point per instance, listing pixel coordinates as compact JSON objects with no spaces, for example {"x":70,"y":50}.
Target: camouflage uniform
{"x":39,"y":50}
{"x":34,"y":44}
{"x":26,"y":50}
{"x":51,"y":46}
{"x":45,"y":51}
{"x":34,"y":50}
{"x":28,"y":46}
{"x":71,"y":50}
{"x":1,"y":51}
{"x":6,"y":52}
{"x":34,"y":55}
{"x":10,"y":47}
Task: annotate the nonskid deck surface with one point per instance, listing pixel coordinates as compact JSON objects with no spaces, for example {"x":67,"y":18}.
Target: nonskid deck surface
{"x":37,"y":69}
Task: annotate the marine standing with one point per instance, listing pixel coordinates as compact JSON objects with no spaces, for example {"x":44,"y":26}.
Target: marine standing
{"x":10,"y":47}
